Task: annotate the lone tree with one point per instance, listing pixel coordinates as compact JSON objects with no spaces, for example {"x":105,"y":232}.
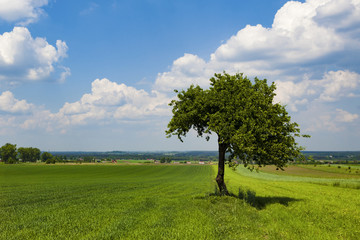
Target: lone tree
{"x":247,"y":122}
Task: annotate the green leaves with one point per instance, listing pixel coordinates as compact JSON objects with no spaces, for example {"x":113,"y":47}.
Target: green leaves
{"x":8,"y":153}
{"x":243,"y":115}
{"x":29,"y":154}
{"x":188,"y":113}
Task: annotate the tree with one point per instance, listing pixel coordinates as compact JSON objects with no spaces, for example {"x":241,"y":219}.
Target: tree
{"x":51,"y":160}
{"x":29,"y":154}
{"x":165,"y":160}
{"x":89,"y":159}
{"x":8,"y":153}
{"x":248,"y":124}
{"x":45,"y":156}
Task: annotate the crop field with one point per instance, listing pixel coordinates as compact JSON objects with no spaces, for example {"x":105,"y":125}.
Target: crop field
{"x":319,"y":171}
{"x":114,"y":201}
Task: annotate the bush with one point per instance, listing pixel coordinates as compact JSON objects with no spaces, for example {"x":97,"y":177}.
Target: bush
{"x":50,"y":161}
{"x":11,"y":161}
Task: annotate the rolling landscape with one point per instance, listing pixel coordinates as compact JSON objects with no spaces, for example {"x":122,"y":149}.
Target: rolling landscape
{"x":180,"y":120}
{"x":138,"y":200}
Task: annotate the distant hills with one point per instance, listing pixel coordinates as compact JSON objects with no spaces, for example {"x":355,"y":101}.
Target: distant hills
{"x":196,"y":155}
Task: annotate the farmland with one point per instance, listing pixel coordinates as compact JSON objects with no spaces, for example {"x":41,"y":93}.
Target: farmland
{"x":115,"y":201}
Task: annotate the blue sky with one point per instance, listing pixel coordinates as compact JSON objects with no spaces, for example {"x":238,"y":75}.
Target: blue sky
{"x":97,"y":75}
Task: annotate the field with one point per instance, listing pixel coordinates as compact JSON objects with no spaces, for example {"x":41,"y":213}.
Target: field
{"x":319,"y":171}
{"x":114,"y":201}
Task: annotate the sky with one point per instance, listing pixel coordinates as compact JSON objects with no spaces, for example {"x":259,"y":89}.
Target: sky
{"x":98,"y":75}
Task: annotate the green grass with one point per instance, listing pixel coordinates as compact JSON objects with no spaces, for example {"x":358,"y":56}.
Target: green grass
{"x":101,"y":202}
{"x":301,"y":207}
{"x":116,"y":201}
{"x":304,"y":174}
{"x":352,"y":171}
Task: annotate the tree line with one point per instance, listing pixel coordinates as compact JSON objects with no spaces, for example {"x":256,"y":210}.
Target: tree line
{"x":10,"y":154}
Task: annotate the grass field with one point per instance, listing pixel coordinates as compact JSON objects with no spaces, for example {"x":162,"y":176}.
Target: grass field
{"x":171,"y":202}
{"x":319,"y":171}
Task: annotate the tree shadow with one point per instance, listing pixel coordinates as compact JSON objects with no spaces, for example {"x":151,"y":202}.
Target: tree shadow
{"x":258,"y":202}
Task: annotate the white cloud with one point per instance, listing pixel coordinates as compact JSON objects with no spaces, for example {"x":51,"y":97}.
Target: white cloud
{"x":339,"y":84}
{"x":344,"y":116}
{"x":321,"y":118}
{"x":332,"y":87}
{"x":292,"y":94}
{"x":8,"y":103}
{"x":41,"y":119}
{"x":311,"y":51}
{"x":109,"y":101}
{"x":294,"y":38}
{"x":21,"y":11}
{"x":186,"y":70}
{"x":301,"y":42}
{"x":65,"y":74}
{"x":23,"y":58}
{"x":339,"y":14}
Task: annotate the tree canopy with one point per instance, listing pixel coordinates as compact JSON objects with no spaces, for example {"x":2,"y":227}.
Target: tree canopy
{"x":29,"y":154}
{"x":45,"y":156}
{"x":8,"y":153}
{"x":242,"y":113}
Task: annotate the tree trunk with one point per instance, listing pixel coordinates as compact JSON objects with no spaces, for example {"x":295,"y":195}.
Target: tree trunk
{"x":221,"y":169}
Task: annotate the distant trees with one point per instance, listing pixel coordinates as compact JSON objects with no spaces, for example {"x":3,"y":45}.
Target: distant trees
{"x":89,"y":159}
{"x":165,"y":160}
{"x":45,"y":156}
{"x":8,"y":153}
{"x":29,"y":154}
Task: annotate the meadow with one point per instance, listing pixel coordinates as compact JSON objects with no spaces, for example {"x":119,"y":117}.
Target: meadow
{"x":149,"y":201}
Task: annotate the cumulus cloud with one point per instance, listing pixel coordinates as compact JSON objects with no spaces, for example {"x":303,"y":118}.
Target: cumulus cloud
{"x":186,"y":70}
{"x":320,"y":117}
{"x":302,"y":42}
{"x":339,"y":14}
{"x":23,"y":58}
{"x":298,"y":36}
{"x":311,"y":52}
{"x":22,"y":12}
{"x":8,"y":103}
{"x":109,"y":101}
{"x":338,"y":84}
{"x":333,"y":86}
